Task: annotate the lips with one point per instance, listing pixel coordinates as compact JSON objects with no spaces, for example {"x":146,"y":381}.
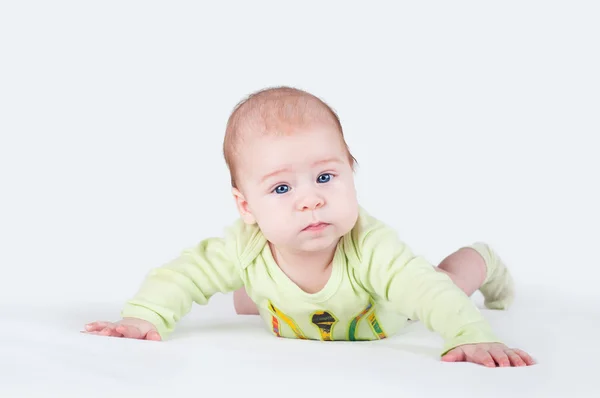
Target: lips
{"x":316,"y":226}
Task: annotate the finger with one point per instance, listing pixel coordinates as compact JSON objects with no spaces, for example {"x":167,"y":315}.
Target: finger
{"x":153,"y":335}
{"x":525,"y":357}
{"x":110,"y":331}
{"x":95,"y":333}
{"x":455,"y":355}
{"x":129,"y":331}
{"x":500,"y":357}
{"x":97,"y":326}
{"x":515,"y":359}
{"x":482,"y":357}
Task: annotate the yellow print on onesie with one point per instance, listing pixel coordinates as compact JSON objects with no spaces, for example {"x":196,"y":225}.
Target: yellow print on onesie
{"x":325,"y":321}
{"x":373,"y":323}
{"x":275,"y":313}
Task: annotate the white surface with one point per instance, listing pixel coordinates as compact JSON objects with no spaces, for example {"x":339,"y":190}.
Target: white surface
{"x":112,"y":116}
{"x":216,"y":353}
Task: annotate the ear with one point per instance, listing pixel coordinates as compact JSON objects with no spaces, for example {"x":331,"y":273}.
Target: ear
{"x":242,"y":206}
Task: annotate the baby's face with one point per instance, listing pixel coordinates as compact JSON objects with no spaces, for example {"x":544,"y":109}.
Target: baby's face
{"x":300,"y":188}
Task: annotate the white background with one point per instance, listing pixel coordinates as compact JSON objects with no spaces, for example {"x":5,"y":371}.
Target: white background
{"x":470,"y":121}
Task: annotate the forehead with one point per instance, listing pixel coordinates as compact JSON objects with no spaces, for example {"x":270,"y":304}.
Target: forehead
{"x":297,"y":150}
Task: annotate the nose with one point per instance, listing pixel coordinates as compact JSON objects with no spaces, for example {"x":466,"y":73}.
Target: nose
{"x":310,"y":201}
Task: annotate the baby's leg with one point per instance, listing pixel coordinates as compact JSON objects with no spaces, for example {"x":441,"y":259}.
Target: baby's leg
{"x":478,"y":267}
{"x":243,"y":304}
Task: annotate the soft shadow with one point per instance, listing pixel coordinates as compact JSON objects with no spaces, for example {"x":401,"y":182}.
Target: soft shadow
{"x":233,"y":328}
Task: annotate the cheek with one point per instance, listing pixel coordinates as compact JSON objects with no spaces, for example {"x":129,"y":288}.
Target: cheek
{"x":275,"y":229}
{"x":271,"y":213}
{"x":344,"y":192}
{"x":345,"y":202}
{"x":271,"y":205}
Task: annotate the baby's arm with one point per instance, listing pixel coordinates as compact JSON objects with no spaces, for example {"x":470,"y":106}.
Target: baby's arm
{"x":392,"y":273}
{"x":168,"y":292}
{"x":413,"y":287}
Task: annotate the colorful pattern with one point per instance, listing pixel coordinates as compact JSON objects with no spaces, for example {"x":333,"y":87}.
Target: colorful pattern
{"x":375,"y":326}
{"x":275,"y":323}
{"x":325,"y":321}
{"x":373,"y":322}
{"x":289,"y":321}
{"x":354,"y":323}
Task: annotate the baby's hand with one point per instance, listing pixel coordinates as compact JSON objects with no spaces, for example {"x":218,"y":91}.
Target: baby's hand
{"x":489,"y":354}
{"x":132,"y":328}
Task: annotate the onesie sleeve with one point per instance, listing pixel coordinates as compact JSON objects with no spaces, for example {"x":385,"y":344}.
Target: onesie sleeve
{"x":411,"y":285}
{"x":168,"y":292}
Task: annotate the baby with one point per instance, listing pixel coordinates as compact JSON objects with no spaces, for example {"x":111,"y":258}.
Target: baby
{"x":308,"y":259}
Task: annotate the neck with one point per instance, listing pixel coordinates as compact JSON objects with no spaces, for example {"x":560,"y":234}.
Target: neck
{"x":297,"y":259}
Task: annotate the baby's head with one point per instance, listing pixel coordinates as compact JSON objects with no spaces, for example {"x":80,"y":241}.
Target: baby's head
{"x":291,"y":168}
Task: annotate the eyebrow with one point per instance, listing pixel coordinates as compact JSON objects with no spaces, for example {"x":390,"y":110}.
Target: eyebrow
{"x":287,"y":169}
{"x":325,"y":161}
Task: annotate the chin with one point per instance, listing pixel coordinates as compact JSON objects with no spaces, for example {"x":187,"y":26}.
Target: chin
{"x":319,"y":244}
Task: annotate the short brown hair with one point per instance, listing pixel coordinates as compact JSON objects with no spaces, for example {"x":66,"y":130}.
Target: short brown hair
{"x":274,"y":110}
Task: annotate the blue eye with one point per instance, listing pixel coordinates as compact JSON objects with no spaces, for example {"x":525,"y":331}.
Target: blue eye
{"x":281,"y":189}
{"x":323,"y":178}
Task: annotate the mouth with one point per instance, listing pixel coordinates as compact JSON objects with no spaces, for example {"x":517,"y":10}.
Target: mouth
{"x":318,"y":226}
